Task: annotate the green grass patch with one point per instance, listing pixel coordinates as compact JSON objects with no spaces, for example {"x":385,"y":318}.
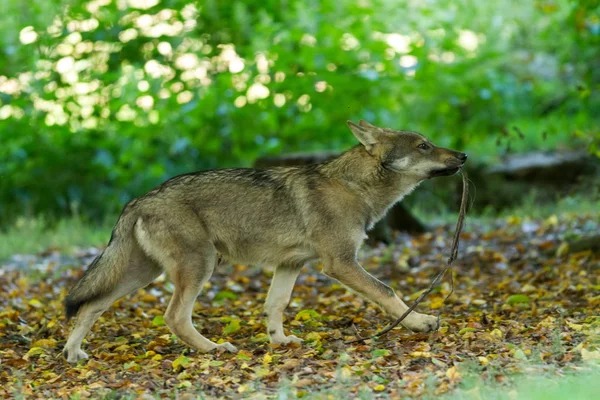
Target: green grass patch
{"x":579,"y":204}
{"x":537,"y":383}
{"x":576,"y":204}
{"x":34,"y":235}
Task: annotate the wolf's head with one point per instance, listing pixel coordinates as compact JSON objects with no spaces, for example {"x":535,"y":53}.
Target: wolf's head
{"x":407,"y":153}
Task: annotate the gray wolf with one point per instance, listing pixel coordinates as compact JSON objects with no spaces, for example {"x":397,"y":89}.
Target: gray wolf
{"x":281,"y":216}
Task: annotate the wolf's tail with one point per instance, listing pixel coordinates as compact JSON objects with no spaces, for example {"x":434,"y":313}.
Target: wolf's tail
{"x":106,"y":270}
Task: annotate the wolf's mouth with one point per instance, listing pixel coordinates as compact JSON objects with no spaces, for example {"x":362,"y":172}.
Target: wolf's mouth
{"x":444,"y":172}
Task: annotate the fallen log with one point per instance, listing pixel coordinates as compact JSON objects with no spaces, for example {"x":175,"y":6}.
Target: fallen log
{"x":552,"y":168}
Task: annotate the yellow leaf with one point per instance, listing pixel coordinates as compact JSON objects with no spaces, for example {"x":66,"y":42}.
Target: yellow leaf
{"x":181,"y":362}
{"x":594,"y":300}
{"x":483,"y":360}
{"x":552,"y":220}
{"x":185,"y":384}
{"x":514,"y":220}
{"x":148,"y":298}
{"x":35,"y":303}
{"x":379,"y":388}
{"x":590,"y":355}
{"x":497,"y":333}
{"x":244,"y":355}
{"x":424,"y":354}
{"x":122,"y":348}
{"x":575,"y":327}
{"x":49,"y":375}
{"x":184,"y":375}
{"x":562,"y":250}
{"x":305,"y":315}
{"x":528,"y":288}
{"x":49,"y":343}
{"x":261,"y":372}
{"x":233,"y":326}
{"x":548,"y":322}
{"x":453,"y":374}
{"x":416,"y":295}
{"x":345,"y":373}
{"x":436,"y":303}
{"x":267,"y":359}
{"x":242,"y":388}
{"x":34,"y":351}
{"x":313,"y":336}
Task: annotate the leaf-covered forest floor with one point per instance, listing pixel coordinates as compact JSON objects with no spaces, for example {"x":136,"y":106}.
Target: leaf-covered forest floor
{"x":522,"y":305}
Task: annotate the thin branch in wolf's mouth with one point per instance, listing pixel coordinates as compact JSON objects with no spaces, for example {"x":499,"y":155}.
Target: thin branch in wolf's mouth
{"x":453,"y":253}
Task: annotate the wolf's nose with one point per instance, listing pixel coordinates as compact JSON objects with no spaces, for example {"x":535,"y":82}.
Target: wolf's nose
{"x":462,"y":157}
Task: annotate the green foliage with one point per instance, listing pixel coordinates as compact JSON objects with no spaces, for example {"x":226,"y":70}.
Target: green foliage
{"x":541,"y":384}
{"x":101,"y":100}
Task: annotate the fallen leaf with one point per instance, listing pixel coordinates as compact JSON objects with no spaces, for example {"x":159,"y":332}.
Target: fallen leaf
{"x":517,"y":299}
{"x":159,"y":320}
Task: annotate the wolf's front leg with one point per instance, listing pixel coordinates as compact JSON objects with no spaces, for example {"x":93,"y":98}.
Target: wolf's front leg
{"x":278,"y":299}
{"x":354,"y":276}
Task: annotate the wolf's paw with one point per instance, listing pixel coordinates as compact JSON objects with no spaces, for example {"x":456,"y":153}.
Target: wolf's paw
{"x":286,"y":339}
{"x":226,"y":346}
{"x":421,"y":323}
{"x":73,"y":356}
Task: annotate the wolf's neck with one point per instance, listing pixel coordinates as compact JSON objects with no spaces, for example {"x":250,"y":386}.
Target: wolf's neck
{"x":374,"y":186}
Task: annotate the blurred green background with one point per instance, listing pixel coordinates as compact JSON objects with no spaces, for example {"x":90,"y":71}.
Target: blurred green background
{"x":101,"y":100}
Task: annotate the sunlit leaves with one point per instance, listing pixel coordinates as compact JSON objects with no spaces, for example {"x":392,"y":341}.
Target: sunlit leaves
{"x":133,"y":354}
{"x":233,"y":326}
{"x":34,"y":351}
{"x":46,"y":343}
{"x":306,"y":315}
{"x":238,"y":79}
{"x":180,"y":363}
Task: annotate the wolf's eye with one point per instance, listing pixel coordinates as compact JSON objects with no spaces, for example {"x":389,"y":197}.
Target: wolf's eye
{"x":423,"y":146}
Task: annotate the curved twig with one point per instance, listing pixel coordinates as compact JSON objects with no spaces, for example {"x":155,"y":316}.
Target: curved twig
{"x":453,"y":253}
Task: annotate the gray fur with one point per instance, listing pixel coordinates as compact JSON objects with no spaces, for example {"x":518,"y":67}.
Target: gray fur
{"x":283,"y":216}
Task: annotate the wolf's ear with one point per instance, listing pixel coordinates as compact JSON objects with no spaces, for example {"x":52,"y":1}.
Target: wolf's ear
{"x":366,"y":135}
{"x":366,"y":125}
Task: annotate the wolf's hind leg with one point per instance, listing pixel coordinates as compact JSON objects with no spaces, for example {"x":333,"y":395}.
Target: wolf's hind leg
{"x":189,"y":279}
{"x":137,"y":276}
{"x":278,"y":299}
{"x":189,"y":259}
